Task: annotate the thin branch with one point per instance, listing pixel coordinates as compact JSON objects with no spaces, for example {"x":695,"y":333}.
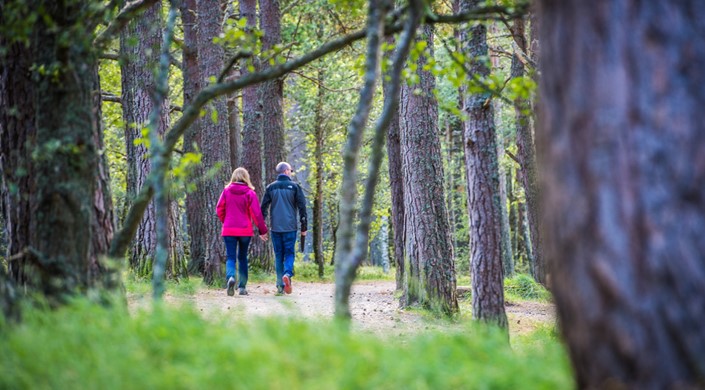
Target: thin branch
{"x":482,"y":13}
{"x":290,"y":6}
{"x":124,"y":16}
{"x":109,"y":97}
{"x":109,"y":56}
{"x":512,"y":156}
{"x":240,"y":55}
{"x":320,"y":84}
{"x":476,"y":78}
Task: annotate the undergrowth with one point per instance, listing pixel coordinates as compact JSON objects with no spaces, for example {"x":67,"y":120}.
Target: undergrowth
{"x":522,"y":287}
{"x":84,"y":346}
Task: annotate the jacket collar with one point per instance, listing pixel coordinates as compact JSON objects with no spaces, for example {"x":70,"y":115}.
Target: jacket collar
{"x":283,"y":177}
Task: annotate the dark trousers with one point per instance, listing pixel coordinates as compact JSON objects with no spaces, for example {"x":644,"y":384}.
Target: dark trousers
{"x":236,"y":248}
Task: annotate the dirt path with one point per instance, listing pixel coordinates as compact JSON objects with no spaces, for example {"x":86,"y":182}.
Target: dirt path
{"x":373,"y":304}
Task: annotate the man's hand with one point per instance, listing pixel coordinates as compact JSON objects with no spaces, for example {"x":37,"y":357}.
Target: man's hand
{"x":264,"y":237}
{"x":303,"y":233}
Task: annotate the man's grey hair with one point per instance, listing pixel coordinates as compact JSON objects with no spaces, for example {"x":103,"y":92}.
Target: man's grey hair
{"x":282,"y":167}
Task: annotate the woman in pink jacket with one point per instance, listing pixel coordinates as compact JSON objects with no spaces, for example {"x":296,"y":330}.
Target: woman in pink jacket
{"x":237,"y":208}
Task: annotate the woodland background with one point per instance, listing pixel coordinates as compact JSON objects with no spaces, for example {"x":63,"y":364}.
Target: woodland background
{"x":440,"y":141}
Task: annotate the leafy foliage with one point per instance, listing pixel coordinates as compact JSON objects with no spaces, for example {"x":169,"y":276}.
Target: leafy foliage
{"x":177,"y":349}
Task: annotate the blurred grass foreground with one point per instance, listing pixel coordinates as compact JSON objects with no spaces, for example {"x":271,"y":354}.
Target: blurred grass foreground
{"x":86,"y":346}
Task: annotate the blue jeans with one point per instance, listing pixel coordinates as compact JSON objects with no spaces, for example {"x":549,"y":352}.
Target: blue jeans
{"x":284,"y":247}
{"x":240,"y":254}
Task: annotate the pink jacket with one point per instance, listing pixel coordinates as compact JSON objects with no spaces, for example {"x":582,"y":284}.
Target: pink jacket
{"x":237,"y":208}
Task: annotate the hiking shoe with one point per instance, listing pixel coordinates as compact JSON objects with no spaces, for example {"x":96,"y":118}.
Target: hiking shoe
{"x":280,"y":290}
{"x":287,"y":284}
{"x":231,"y":286}
{"x":243,"y":291}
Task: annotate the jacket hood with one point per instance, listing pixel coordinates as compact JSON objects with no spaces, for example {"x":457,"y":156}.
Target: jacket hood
{"x":238,"y":188}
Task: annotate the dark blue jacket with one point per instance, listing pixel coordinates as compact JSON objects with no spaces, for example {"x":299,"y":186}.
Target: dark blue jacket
{"x":285,"y":197}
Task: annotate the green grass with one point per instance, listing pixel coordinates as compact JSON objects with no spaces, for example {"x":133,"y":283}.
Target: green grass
{"x":522,"y":287}
{"x":143,"y":286}
{"x":84,"y":346}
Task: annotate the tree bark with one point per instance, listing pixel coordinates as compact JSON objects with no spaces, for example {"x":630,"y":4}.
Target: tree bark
{"x":215,"y":144}
{"x":140,"y":45}
{"x":527,"y":158}
{"x":271,"y":93}
{"x":318,"y":161}
{"x":235,"y":131}
{"x":396,"y":185}
{"x":63,"y":173}
{"x":17,"y":130}
{"x":429,"y":248}
{"x":480,"y":142}
{"x":192,"y":136}
{"x":623,"y":171}
{"x":252,"y":148}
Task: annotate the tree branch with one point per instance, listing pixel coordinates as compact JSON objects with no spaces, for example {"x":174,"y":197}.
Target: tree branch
{"x":482,"y":13}
{"x":512,"y":156}
{"x":124,"y":16}
{"x":240,"y":55}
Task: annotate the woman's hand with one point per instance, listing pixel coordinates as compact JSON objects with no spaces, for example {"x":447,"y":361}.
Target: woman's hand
{"x":264,"y":237}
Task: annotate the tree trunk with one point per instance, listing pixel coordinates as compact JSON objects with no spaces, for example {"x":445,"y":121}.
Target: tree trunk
{"x":318,"y":161}
{"x":505,"y":231}
{"x":527,"y":159}
{"x":140,"y":45}
{"x":431,"y":272}
{"x":260,"y":251}
{"x":345,"y":263}
{"x":62,"y":179}
{"x":271,"y":93}
{"x":623,"y":158}
{"x":192,"y":136}
{"x":397,"y":188}
{"x":483,"y":187}
{"x":17,"y":132}
{"x":235,"y":131}
{"x":511,"y":200}
{"x":103,"y":222}
{"x":215,"y":144}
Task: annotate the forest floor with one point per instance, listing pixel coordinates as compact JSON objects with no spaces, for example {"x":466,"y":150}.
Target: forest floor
{"x":374,"y":307}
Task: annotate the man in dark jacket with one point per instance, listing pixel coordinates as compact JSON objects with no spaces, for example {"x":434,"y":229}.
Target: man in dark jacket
{"x":284,"y":197}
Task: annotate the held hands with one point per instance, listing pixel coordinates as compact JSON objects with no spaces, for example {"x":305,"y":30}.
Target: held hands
{"x":264,"y":237}
{"x":303,"y":233}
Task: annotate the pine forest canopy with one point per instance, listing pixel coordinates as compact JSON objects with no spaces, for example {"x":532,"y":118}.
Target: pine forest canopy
{"x":450,"y":141}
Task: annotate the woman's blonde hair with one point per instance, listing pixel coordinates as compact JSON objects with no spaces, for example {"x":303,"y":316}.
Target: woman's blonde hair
{"x":240,"y":175}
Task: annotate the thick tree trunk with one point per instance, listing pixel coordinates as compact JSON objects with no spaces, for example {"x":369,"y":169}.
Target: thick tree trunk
{"x":17,"y":130}
{"x":215,"y":144}
{"x":527,"y":159}
{"x":260,"y":251}
{"x":429,"y":248}
{"x":140,"y":45}
{"x":397,"y":188}
{"x":623,"y":158}
{"x":63,"y":178}
{"x":483,"y":187}
{"x":192,"y":136}
{"x":271,"y":93}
